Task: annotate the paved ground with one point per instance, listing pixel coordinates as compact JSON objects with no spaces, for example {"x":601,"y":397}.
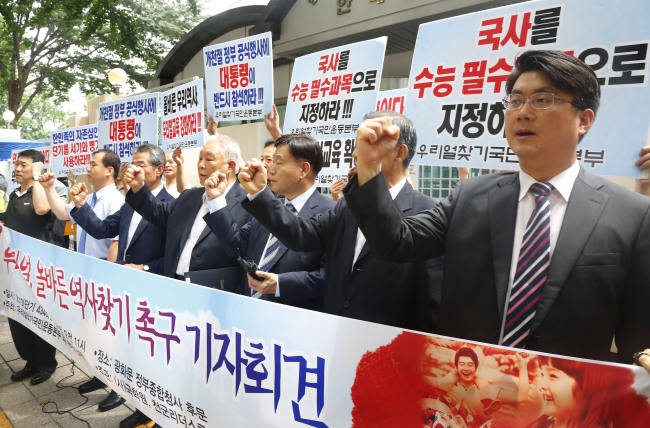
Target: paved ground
{"x":23,"y":405}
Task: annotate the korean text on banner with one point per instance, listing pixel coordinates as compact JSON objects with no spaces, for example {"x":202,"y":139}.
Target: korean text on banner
{"x":182,"y":116}
{"x":455,"y":89}
{"x":239,"y":78}
{"x":186,"y":354}
{"x":329,"y":94}
{"x":392,"y":100}
{"x":126,"y":123}
{"x":72,"y":149}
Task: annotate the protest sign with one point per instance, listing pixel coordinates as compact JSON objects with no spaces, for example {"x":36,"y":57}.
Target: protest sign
{"x":460,"y":66}
{"x":239,"y":78}
{"x":186,"y":354}
{"x":329,"y":94}
{"x":182,"y":116}
{"x":126,"y":123}
{"x":72,"y":149}
{"x":392,"y":100}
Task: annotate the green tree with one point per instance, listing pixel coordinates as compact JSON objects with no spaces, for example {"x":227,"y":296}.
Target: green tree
{"x":41,"y":116}
{"x":47,"y":46}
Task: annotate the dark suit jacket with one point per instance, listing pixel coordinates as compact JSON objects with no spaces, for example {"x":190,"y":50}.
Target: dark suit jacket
{"x":598,"y":282}
{"x":178,"y":216}
{"x":402,"y":295}
{"x":148,"y":242}
{"x":301,"y":274}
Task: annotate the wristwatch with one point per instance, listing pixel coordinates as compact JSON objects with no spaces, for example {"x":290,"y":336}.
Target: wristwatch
{"x":638,"y":355}
{"x":145,"y":268}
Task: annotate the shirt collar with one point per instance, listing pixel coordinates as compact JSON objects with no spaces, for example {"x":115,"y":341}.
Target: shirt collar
{"x":563,"y":182}
{"x":299,"y":201}
{"x":157,"y":190}
{"x":397,"y":188}
{"x":104,"y":190}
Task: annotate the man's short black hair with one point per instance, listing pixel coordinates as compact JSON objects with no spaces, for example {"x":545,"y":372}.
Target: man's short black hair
{"x":407,"y":134}
{"x":566,"y":72}
{"x":110,"y":159}
{"x":269,"y":142}
{"x":33,"y":154}
{"x":466,"y":352}
{"x":303,"y":148}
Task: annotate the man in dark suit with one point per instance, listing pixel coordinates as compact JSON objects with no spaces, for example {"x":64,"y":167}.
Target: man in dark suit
{"x":141,"y":244}
{"x":287,"y":276}
{"x":590,"y":279}
{"x":358,"y":285}
{"x":189,"y":245}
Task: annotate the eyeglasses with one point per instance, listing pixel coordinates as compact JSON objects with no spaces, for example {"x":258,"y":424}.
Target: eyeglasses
{"x":540,"y":101}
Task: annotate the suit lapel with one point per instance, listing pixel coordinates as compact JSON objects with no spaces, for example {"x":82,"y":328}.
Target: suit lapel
{"x":585,"y":207}
{"x":404,"y":202}
{"x":502,"y":212}
{"x":194,"y":201}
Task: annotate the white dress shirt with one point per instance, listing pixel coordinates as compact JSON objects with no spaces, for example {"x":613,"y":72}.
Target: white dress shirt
{"x":109,"y":201}
{"x":362,"y":239}
{"x":558,"y":200}
{"x":135,"y":221}
{"x":197,"y":228}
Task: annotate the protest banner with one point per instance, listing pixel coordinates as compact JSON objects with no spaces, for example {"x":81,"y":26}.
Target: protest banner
{"x":329,"y":94}
{"x":460,"y":66}
{"x":11,"y":183}
{"x":72,"y":149}
{"x":193,"y":356}
{"x":126,"y":123}
{"x":182,"y":116}
{"x":392,"y":100}
{"x":239,"y":78}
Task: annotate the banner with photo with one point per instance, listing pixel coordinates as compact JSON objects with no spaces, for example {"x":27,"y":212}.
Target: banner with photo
{"x":182,"y":116}
{"x":239,"y":78}
{"x":72,"y":149}
{"x":329,"y":94}
{"x":393,"y":100}
{"x":455,"y":87}
{"x":11,"y":182}
{"x":126,"y":123}
{"x":194,"y":356}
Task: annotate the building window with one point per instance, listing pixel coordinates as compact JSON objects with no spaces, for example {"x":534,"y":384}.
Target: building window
{"x":438,"y":181}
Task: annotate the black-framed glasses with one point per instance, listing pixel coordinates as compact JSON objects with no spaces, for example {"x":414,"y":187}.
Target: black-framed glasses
{"x":142,"y":165}
{"x":539,"y":101}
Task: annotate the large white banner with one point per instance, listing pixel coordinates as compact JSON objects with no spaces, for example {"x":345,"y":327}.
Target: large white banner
{"x":193,"y":356}
{"x":126,"y":123}
{"x":393,"y":100}
{"x":239,"y":78}
{"x":72,"y":149}
{"x":460,"y":65}
{"x":182,"y":116}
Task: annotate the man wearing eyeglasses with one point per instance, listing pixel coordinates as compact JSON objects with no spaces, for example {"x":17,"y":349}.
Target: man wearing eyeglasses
{"x":550,"y":258}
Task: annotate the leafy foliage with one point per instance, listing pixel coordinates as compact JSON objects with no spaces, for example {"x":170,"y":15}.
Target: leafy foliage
{"x":47,"y":46}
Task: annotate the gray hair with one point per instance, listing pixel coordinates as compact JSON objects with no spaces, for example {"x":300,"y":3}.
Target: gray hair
{"x":156,"y":154}
{"x":228,"y":147}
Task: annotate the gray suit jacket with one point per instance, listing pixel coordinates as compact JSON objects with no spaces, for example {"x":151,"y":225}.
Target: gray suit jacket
{"x":598,"y":284}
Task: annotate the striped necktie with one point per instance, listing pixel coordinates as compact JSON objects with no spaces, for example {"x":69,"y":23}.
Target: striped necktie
{"x":81,"y":248}
{"x":273,"y":247}
{"x":532,"y":270}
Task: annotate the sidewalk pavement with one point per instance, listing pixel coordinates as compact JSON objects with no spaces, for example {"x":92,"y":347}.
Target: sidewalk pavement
{"x":22,"y":402}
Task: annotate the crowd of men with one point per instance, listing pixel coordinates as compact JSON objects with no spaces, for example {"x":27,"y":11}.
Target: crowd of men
{"x":550,"y":258}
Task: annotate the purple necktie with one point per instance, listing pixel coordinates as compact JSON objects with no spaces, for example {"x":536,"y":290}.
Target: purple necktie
{"x":532,"y":270}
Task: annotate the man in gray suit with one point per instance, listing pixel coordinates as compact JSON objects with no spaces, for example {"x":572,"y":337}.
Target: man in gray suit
{"x":563,"y":268}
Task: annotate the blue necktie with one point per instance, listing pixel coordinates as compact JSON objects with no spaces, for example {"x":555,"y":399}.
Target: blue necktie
{"x":81,"y":248}
{"x":532,"y":270}
{"x":268,"y":259}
